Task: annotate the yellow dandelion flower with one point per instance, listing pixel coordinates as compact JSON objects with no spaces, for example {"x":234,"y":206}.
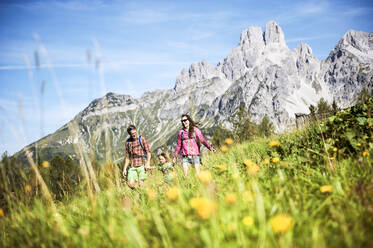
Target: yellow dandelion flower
{"x":224,"y":148}
{"x":27,"y":188}
{"x":45,"y":164}
{"x":151,"y":194}
{"x":365,"y":154}
{"x":247,"y":196}
{"x":205,"y":176}
{"x":358,"y":144}
{"x":335,"y":149}
{"x":231,"y":198}
{"x":253,"y":170}
{"x":195,"y":201}
{"x":172,"y":193}
{"x":326,"y":188}
{"x":248,"y":221}
{"x":1,"y":212}
{"x":204,"y":207}
{"x":275,"y":160}
{"x":274,"y":143}
{"x":221,"y":167}
{"x":248,"y":163}
{"x":281,"y":223}
{"x":235,"y":176}
{"x":228,"y":141}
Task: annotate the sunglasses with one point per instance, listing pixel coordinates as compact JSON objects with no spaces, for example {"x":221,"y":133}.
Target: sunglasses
{"x":184,"y":120}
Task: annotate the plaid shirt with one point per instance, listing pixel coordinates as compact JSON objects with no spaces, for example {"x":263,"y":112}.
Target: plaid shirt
{"x":135,"y":151}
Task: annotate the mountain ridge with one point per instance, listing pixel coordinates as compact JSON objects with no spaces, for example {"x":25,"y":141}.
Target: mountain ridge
{"x":261,"y":73}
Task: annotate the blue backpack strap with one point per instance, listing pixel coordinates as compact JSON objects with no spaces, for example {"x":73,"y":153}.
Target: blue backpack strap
{"x":145,"y":156}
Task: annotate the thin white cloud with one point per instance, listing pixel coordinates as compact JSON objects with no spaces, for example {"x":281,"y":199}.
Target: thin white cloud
{"x":305,"y":9}
{"x":140,"y":15}
{"x":356,"y":12}
{"x":202,"y":36}
{"x":42,"y":66}
{"x":301,"y":39}
{"x":67,"y":5}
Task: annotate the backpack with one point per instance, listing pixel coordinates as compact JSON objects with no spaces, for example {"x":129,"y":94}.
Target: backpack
{"x":193,"y":137}
{"x":142,"y":146}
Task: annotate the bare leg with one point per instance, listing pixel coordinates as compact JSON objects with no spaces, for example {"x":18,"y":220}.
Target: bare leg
{"x":185,"y":169}
{"x":197,"y":167}
{"x":131,"y":184}
{"x":141,"y":183}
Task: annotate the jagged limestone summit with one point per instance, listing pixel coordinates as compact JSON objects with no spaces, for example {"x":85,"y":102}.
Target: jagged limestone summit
{"x":261,"y":73}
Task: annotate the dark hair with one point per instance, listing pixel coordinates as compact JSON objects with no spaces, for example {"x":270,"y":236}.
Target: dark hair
{"x":165,"y":155}
{"x":130,"y":128}
{"x":192,"y":124}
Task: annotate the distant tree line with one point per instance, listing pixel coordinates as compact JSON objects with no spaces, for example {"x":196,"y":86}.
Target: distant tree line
{"x":18,"y":181}
{"x":243,"y":128}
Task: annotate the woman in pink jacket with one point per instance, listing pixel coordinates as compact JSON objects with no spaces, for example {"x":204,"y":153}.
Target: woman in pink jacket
{"x":188,"y":143}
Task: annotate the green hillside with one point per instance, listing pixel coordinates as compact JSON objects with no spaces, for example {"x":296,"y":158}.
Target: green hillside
{"x":308,"y":188}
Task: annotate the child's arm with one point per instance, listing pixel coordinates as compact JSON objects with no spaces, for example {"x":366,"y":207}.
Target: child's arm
{"x":150,"y":167}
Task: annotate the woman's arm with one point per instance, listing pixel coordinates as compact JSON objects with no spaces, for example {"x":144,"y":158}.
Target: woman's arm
{"x":202,"y":139}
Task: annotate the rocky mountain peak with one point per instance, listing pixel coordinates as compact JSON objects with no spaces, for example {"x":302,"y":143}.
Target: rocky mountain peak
{"x":110,"y":100}
{"x":361,"y":41}
{"x":261,"y":73}
{"x":303,"y":49}
{"x":197,"y":72}
{"x":274,"y":34}
{"x":252,"y":37}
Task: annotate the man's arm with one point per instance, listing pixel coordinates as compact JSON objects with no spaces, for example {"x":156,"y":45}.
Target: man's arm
{"x":147,"y":162}
{"x":126,"y":162}
{"x":148,"y":153}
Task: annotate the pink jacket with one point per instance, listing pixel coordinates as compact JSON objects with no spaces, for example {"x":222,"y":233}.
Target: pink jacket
{"x":190,"y":146}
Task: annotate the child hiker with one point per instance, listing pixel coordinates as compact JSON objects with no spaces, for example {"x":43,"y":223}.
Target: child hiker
{"x":165,"y":166}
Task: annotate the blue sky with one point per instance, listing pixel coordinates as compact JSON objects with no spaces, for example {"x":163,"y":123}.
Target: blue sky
{"x":141,"y":46}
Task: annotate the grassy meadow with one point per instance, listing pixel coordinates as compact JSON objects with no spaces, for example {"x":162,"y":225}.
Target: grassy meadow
{"x":307,"y":188}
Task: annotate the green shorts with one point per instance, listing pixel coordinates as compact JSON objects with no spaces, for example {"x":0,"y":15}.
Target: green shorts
{"x":136,"y":173}
{"x":168,"y":177}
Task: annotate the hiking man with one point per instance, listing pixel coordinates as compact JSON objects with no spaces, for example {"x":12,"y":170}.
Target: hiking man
{"x":188,"y":142}
{"x":137,"y":150}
